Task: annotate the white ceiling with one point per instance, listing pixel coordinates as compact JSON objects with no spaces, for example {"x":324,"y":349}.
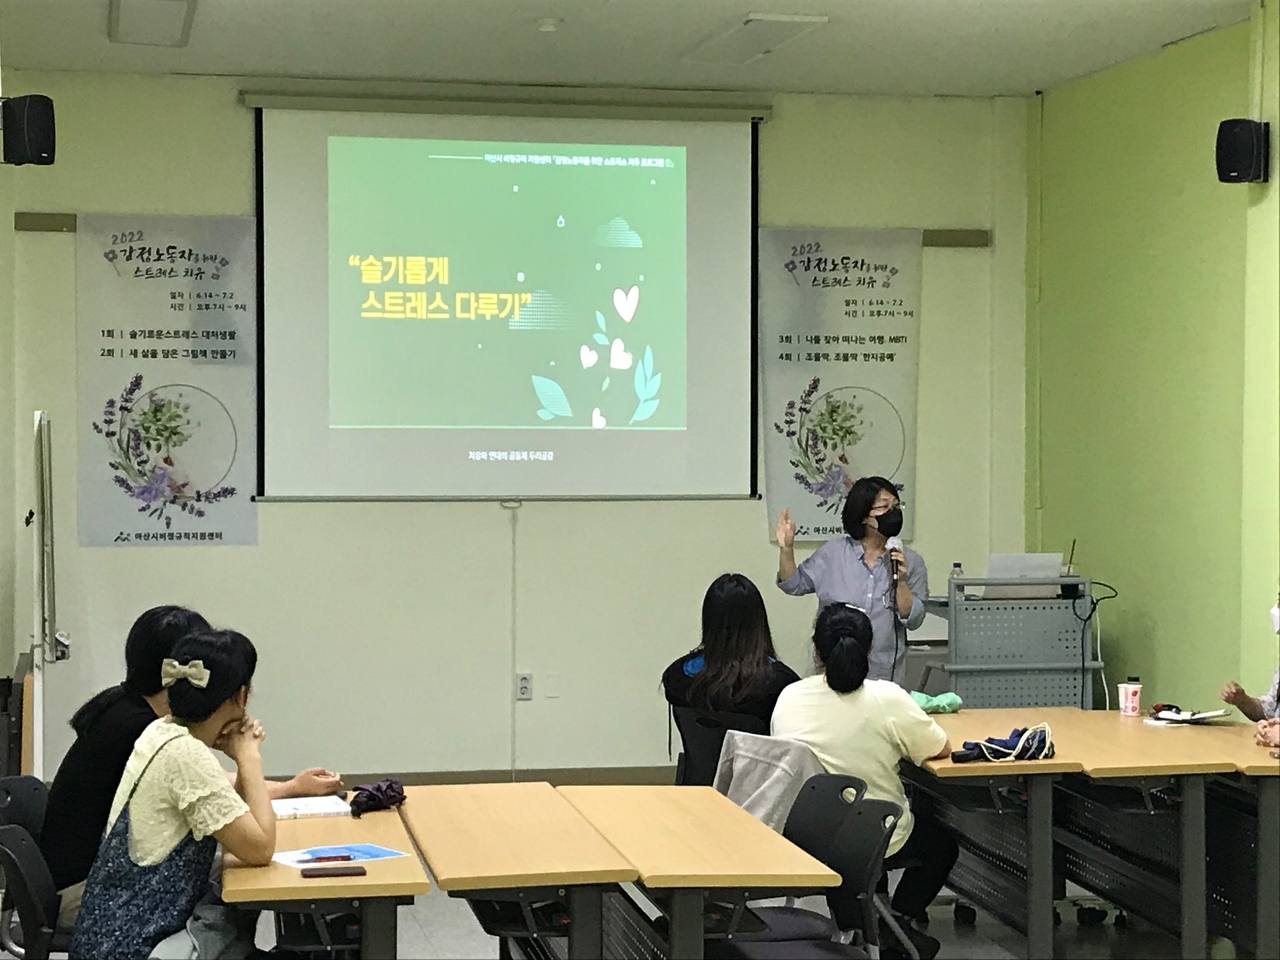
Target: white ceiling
{"x":958,"y":47}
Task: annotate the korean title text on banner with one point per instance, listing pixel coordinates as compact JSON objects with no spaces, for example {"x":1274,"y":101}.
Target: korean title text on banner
{"x":167,"y":316}
{"x":839,"y":328}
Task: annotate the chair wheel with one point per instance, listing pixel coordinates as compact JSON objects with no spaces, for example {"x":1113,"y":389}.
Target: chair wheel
{"x":965,"y":915}
{"x":1090,"y":916}
{"x":1122,"y":920}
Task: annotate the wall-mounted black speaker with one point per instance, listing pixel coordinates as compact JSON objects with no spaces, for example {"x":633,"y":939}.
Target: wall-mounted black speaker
{"x":28,"y":129}
{"x":1243,"y":151}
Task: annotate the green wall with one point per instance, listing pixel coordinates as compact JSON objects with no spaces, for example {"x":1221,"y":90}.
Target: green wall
{"x":1136,"y":339}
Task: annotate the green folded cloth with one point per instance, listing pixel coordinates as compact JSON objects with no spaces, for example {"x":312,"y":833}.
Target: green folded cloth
{"x":942,"y":703}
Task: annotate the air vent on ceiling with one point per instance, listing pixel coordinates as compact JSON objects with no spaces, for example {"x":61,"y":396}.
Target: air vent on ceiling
{"x":151,"y":23}
{"x":755,"y":36}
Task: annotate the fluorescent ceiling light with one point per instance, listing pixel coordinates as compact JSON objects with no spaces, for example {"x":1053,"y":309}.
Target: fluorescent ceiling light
{"x":757,"y":35}
{"x":151,"y":23}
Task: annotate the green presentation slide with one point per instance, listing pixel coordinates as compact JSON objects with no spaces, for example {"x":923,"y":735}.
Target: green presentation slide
{"x":492,"y":285}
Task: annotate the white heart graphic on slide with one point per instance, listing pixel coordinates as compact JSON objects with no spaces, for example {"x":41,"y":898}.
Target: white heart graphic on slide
{"x":625,"y":302}
{"x":597,"y":419}
{"x":588,"y":357}
{"x":619,"y":359}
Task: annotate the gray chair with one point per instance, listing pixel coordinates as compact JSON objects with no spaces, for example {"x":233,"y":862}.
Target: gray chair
{"x":834,"y":822}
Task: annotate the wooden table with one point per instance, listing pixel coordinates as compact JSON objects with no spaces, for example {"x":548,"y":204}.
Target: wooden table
{"x":1109,"y":749}
{"x":1258,"y":774}
{"x":981,"y":782}
{"x":519,"y":842}
{"x":386,"y":885}
{"x":685,"y":841}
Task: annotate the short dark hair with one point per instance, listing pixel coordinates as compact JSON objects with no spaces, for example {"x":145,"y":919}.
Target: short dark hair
{"x":842,"y":640}
{"x":229,"y":657}
{"x":150,"y":640}
{"x":736,"y":644}
{"x":858,"y":504}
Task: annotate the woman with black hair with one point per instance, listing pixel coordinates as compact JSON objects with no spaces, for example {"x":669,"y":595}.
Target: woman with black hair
{"x":175,"y":805}
{"x":106,"y":727}
{"x":863,"y":727}
{"x":858,"y":568}
{"x":735,"y":668}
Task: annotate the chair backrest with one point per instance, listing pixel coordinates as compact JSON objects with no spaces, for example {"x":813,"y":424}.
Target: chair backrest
{"x":702,"y":733}
{"x":763,"y":775}
{"x":834,"y":821}
{"x":30,"y":887}
{"x":22,"y":803}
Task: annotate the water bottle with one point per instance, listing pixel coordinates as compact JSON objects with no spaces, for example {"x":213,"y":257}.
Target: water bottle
{"x":957,"y":573}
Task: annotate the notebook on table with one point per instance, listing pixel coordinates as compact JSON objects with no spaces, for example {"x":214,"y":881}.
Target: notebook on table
{"x":296,"y":807}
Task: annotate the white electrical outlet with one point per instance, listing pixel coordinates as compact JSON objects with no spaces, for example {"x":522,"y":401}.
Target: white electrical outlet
{"x":524,"y":686}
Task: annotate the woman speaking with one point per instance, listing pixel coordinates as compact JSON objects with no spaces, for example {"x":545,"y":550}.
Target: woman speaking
{"x":859,"y":569}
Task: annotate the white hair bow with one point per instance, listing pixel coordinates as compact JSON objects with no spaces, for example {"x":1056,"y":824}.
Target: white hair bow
{"x":171,"y":671}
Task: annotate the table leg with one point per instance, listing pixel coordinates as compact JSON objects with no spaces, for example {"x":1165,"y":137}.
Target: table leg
{"x":377,"y":929}
{"x":1039,"y":866}
{"x":586,"y":926}
{"x":1195,"y":896}
{"x":685,"y":920}
{"x":1267,"y":858}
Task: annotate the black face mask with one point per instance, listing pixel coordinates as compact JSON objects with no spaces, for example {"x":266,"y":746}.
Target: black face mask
{"x":890,"y":522}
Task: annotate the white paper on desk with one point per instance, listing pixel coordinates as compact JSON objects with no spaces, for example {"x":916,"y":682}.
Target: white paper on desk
{"x":1171,"y":718}
{"x":357,"y":852}
{"x":295,"y":807}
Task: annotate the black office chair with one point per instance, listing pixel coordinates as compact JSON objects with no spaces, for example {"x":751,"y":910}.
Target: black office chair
{"x":22,"y":803}
{"x":702,"y":733}
{"x":29,"y":887}
{"x":833,"y":821}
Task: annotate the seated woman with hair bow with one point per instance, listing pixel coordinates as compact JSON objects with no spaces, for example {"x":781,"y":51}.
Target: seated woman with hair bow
{"x":175,"y":805}
{"x":107,"y":727}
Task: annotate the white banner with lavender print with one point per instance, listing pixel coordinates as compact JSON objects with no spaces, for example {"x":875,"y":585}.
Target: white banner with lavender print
{"x":167,"y":317}
{"x":839,"y":360}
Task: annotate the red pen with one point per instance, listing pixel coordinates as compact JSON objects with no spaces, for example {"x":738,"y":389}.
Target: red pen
{"x":335,"y":858}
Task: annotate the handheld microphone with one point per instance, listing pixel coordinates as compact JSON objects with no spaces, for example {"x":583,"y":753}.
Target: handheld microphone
{"x":893,"y":543}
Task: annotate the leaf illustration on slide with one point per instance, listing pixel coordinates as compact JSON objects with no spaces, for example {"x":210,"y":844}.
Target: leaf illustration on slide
{"x":552,"y":397}
{"x":647,"y":385}
{"x":546,"y":414}
{"x":601,"y":339}
{"x":600,"y":322}
{"x":644,"y":411}
{"x":605,"y":386}
{"x":655,"y":384}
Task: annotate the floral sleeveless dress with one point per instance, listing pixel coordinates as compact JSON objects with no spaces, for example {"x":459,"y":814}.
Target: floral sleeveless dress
{"x":127,"y":909}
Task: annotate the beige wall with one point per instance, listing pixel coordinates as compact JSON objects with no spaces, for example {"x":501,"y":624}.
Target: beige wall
{"x":386,"y":630}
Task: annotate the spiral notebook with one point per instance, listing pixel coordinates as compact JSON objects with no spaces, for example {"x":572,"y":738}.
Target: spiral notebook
{"x":297,"y":807}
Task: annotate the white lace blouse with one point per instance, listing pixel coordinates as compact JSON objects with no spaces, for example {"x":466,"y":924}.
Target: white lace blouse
{"x":184,"y":791}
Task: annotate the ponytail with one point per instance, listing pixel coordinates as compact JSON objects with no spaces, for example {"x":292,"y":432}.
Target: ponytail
{"x":95,"y":706}
{"x":842,"y":640}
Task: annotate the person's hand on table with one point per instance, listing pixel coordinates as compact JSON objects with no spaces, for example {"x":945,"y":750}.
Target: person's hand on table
{"x":1268,"y":732}
{"x":315,"y":782}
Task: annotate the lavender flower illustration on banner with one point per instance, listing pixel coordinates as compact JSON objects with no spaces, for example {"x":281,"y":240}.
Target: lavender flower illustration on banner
{"x":143,"y":434}
{"x":821,"y":432}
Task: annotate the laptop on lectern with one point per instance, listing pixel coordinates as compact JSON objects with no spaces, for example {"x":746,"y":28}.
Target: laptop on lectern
{"x":1031,"y":566}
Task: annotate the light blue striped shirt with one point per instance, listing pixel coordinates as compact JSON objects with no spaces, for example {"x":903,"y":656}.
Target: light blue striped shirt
{"x":837,"y":572}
